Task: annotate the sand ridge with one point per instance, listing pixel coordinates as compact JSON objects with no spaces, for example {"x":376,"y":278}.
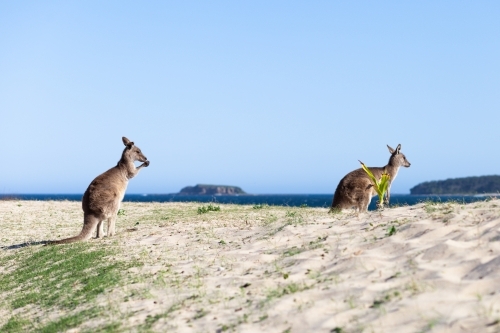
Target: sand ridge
{"x":424,"y":268}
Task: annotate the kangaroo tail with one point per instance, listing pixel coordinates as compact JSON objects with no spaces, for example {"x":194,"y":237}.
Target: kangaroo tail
{"x":89,"y":224}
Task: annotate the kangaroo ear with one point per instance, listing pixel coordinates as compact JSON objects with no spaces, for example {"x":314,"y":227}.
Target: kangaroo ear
{"x":398,"y":148}
{"x":127,"y":142}
{"x":390,"y":149}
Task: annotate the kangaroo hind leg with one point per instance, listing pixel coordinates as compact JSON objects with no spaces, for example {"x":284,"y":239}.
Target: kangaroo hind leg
{"x":90,"y":223}
{"x":100,"y":229}
{"x":363,"y":201}
{"x":111,"y":225}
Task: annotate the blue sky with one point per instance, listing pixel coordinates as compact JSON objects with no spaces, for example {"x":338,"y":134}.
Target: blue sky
{"x":272,"y":96}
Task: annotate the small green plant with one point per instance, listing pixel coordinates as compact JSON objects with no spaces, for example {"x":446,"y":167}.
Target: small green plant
{"x":391,"y":231}
{"x":286,"y":290}
{"x":430,"y":324}
{"x":260,"y":206}
{"x":380,"y":186}
{"x":292,"y":251}
{"x":430,"y":206}
{"x":262,"y":318}
{"x":387,"y":298}
{"x":334,"y":210}
{"x":209,"y":208}
{"x":200,"y":314}
{"x":121,"y":212}
{"x":294,"y":217}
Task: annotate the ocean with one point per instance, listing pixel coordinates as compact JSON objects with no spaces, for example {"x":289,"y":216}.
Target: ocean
{"x":291,"y":200}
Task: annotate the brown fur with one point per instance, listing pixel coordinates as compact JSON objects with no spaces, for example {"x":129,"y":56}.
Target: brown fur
{"x":102,"y":198}
{"x":356,"y":189}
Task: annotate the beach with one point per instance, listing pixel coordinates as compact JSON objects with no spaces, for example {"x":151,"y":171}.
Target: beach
{"x":195,"y":267}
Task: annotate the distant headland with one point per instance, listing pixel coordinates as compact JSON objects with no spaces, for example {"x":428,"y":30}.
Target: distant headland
{"x":203,"y":189}
{"x":467,"y":185}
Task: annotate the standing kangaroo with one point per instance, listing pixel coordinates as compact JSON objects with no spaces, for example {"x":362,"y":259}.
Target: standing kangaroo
{"x":356,"y":189}
{"x":102,"y":198}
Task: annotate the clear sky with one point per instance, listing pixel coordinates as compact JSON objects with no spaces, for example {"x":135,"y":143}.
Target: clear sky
{"x":272,"y":96}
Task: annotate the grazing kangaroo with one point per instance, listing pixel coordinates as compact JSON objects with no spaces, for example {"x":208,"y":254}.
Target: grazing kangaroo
{"x":356,"y":189}
{"x":102,"y":198}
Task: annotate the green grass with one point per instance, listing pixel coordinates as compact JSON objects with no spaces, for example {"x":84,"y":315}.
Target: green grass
{"x":318,"y":243}
{"x":391,"y":231}
{"x":66,"y":276}
{"x":209,"y":208}
{"x":335,"y":210}
{"x":430,"y":206}
{"x":441,"y":207}
{"x":65,"y":322}
{"x":151,"y":320}
{"x":292,"y":251}
{"x":291,"y":288}
{"x":14,"y":325}
{"x":62,"y":277}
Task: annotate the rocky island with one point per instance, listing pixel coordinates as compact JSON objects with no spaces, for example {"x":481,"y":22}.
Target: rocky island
{"x":203,"y":189}
{"x":467,"y":185}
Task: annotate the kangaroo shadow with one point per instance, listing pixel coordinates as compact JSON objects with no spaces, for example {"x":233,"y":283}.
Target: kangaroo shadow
{"x":21,"y":245}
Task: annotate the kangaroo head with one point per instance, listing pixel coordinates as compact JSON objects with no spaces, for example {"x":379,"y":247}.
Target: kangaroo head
{"x":132,"y":152}
{"x":397,"y":158}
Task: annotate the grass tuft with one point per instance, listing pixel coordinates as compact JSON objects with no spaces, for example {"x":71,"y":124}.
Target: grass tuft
{"x":62,"y":277}
{"x":209,"y":208}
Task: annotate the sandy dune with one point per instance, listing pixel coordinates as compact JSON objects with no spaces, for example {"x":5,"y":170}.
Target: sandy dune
{"x":423,"y":268}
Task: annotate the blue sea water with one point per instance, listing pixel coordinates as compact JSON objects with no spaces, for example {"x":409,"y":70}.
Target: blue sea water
{"x":291,"y":200}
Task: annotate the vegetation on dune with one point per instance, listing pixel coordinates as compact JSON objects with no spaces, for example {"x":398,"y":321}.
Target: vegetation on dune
{"x":181,"y":266}
{"x":88,"y":286}
{"x":467,"y":185}
{"x":58,"y":277}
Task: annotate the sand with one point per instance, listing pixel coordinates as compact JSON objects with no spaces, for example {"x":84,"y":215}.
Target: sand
{"x":423,"y":268}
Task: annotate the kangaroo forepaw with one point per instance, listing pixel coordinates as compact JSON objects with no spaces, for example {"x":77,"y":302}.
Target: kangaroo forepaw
{"x":146,"y":164}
